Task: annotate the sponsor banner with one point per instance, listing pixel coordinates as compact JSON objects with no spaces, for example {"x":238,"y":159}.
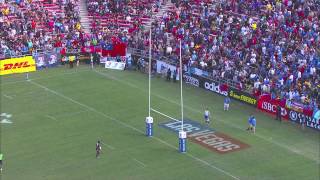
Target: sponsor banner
{"x":207,"y":84}
{"x":199,"y":72}
{"x":191,"y":80}
{"x":299,"y":107}
{"x":52,"y":59}
{"x":213,"y":86}
{"x":243,"y":97}
{"x":41,"y":61}
{"x":105,"y":59}
{"x":46,"y":60}
{"x":299,"y":117}
{"x":115,"y":65}
{"x":265,"y":103}
{"x":206,"y":137}
{"x":161,"y":65}
{"x":296,"y":106}
{"x":17,"y":65}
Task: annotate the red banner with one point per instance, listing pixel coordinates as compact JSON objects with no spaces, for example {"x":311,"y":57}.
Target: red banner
{"x":265,"y":103}
{"x":118,"y":49}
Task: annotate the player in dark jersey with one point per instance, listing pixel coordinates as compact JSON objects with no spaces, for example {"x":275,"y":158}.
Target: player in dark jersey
{"x":98,"y":149}
{"x":1,"y":157}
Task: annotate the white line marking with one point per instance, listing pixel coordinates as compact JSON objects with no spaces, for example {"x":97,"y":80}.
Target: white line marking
{"x":51,"y":117}
{"x":48,"y":77}
{"x":129,"y":126}
{"x":224,"y":122}
{"x":164,"y":115}
{"x":139,"y":162}
{"x":108,"y":146}
{"x":70,"y":113}
{"x":7,"y":96}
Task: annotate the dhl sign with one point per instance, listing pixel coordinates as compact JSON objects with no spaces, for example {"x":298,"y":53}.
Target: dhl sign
{"x":17,"y":65}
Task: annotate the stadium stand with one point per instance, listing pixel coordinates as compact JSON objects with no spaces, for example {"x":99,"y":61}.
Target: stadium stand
{"x":124,"y":15}
{"x":262,"y":46}
{"x":32,"y":26}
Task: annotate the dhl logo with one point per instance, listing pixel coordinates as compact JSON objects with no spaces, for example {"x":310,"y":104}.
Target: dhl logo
{"x":16,"y":65}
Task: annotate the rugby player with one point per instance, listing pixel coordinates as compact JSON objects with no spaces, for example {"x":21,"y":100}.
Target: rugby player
{"x":98,"y":149}
{"x":226,"y":103}
{"x":252,"y":124}
{"x":207,"y":116}
{"x":1,"y":157}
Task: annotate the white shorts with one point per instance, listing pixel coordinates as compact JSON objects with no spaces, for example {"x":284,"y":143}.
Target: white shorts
{"x":226,"y":105}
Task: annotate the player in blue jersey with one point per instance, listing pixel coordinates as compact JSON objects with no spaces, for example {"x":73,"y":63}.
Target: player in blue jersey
{"x":226,"y":103}
{"x":207,"y":116}
{"x":252,"y":124}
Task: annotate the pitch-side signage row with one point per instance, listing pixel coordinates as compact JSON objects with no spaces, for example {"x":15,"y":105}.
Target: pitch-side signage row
{"x":264,"y":102}
{"x":269,"y":105}
{"x":221,"y":89}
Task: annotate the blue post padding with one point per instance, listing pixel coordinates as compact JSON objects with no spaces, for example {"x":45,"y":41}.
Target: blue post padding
{"x":149,"y":129}
{"x":182,"y":145}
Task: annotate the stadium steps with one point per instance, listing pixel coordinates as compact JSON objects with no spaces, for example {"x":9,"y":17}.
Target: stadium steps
{"x":85,"y":20}
{"x":158,"y":16}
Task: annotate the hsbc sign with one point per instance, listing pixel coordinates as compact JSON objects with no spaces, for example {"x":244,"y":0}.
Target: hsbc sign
{"x":273,"y":108}
{"x":269,"y":105}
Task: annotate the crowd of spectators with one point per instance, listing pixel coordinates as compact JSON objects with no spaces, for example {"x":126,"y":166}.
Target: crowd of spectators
{"x":130,"y":15}
{"x":29,"y":26}
{"x":264,"y":46}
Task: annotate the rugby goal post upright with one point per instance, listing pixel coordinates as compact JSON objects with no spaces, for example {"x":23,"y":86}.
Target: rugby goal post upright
{"x":182,"y":133}
{"x":149,"y":119}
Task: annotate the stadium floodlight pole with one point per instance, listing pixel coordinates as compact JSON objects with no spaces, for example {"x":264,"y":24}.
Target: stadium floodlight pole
{"x":182,"y":133}
{"x":149,"y":119}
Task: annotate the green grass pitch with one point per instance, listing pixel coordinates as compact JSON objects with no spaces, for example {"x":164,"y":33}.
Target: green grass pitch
{"x":58,"y":116}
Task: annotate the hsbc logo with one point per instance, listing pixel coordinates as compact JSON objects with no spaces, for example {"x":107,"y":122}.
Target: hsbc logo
{"x":215,"y":88}
{"x":273,"y":108}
